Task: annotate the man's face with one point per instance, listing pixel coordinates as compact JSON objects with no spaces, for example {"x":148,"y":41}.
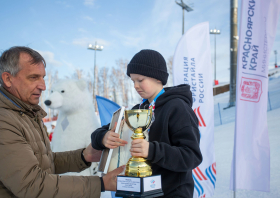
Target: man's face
{"x":29,"y":82}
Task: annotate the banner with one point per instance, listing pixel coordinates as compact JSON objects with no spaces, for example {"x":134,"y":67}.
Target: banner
{"x":251,"y":155}
{"x":106,"y":109}
{"x":192,"y":65}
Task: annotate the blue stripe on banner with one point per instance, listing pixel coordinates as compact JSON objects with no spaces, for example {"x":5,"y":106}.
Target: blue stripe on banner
{"x":197,"y":189}
{"x":212,"y":173}
{"x":199,"y":185}
{"x":195,"y":186}
{"x":210,"y":177}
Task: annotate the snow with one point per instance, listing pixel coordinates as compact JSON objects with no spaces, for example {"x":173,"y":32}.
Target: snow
{"x":224,"y":139}
{"x":224,"y":149}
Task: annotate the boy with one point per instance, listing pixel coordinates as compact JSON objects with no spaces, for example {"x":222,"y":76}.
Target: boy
{"x":173,"y":147}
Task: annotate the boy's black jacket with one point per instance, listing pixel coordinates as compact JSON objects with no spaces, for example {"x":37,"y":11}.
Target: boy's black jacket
{"x":173,"y":141}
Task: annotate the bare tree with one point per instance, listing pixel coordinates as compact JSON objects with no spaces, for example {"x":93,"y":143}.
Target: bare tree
{"x":96,"y":77}
{"x":170,"y":71}
{"x":114,"y":84}
{"x":78,"y":74}
{"x":42,"y":101}
{"x":123,"y":80}
{"x":93,"y":85}
{"x":90,"y":82}
{"x":103,"y":82}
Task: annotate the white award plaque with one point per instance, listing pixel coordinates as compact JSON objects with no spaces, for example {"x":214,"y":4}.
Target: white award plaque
{"x":132,"y":184}
{"x":139,"y":186}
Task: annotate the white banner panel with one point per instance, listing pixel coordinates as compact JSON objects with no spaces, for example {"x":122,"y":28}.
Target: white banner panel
{"x":251,"y":157}
{"x":192,"y":65}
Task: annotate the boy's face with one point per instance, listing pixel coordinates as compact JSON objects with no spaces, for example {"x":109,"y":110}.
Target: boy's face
{"x":146,"y":87}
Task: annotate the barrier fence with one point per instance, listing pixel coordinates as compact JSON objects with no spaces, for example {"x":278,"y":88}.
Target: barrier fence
{"x":224,"y":115}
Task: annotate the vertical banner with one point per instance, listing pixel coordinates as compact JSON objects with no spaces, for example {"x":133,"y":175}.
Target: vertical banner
{"x":251,"y":155}
{"x":192,"y":65}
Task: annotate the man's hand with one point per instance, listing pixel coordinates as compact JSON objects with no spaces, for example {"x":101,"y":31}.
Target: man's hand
{"x":92,"y":155}
{"x":112,"y":140}
{"x":139,"y":148}
{"x":110,"y":179}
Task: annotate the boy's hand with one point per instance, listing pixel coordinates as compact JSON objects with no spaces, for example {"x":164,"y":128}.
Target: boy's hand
{"x":139,"y":148}
{"x":111,"y":139}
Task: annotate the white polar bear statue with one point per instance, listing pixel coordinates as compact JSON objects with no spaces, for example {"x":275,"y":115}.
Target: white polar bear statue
{"x":76,"y":119}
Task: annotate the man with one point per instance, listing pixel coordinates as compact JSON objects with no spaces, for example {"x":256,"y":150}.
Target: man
{"x":28,"y":167}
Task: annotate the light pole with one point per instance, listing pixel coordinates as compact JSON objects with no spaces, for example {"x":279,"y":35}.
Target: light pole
{"x":215,"y":32}
{"x":275,"y":52}
{"x":95,"y":48}
{"x":233,"y":52}
{"x":184,"y":7}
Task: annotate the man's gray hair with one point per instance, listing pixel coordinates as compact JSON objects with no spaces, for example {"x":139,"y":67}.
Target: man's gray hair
{"x":9,"y":60}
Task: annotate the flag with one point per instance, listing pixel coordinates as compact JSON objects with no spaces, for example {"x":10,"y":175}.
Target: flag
{"x":106,"y":109}
{"x":192,"y":65}
{"x":251,"y":156}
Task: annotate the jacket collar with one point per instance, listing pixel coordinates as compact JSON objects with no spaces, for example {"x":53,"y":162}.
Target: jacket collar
{"x":9,"y":101}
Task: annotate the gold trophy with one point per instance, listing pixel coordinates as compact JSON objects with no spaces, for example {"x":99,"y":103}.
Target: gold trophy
{"x":138,"y":181}
{"x":138,"y":121}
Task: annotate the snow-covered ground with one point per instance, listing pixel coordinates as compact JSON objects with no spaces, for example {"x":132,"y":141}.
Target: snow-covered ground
{"x":224,"y":136}
{"x":224,"y":148}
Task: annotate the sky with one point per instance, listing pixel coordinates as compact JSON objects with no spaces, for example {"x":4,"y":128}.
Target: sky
{"x":62,"y":30}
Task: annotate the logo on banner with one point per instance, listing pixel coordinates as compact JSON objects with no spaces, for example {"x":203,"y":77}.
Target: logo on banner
{"x":153,"y":185}
{"x":251,"y":89}
{"x":199,"y":182}
{"x":199,"y":174}
{"x":200,"y":118}
{"x":211,"y":173}
{"x":204,"y":180}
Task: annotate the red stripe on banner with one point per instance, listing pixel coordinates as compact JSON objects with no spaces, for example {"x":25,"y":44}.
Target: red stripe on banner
{"x":201,"y":173}
{"x":197,"y":174}
{"x":201,"y":117}
{"x":197,"y":118}
{"x":214,"y":169}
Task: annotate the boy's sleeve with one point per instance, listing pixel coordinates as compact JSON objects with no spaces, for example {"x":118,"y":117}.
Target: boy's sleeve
{"x":184,"y":153}
{"x":97,"y":137}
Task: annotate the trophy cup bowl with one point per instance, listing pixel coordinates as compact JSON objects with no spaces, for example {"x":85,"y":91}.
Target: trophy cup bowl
{"x":138,"y":120}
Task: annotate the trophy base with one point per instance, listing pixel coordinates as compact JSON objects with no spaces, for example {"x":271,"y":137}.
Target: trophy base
{"x":126,"y":194}
{"x":139,"y":186}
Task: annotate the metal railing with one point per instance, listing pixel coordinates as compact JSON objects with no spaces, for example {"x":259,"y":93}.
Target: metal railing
{"x":224,"y":115}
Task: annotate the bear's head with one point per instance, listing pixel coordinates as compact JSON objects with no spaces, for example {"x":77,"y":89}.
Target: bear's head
{"x":69,"y":95}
